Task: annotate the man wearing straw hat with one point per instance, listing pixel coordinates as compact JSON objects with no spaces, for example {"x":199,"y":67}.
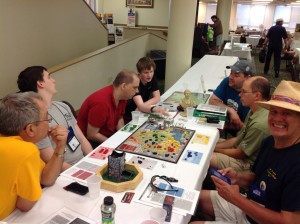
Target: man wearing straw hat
{"x":273,"y":183}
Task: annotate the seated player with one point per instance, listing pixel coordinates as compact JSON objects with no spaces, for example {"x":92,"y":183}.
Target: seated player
{"x":272,"y":184}
{"x":37,"y":79}
{"x":287,"y":52}
{"x":148,"y":94}
{"x":23,"y":122}
{"x":241,"y":151}
{"x":227,"y":95}
{"x":101,"y":114}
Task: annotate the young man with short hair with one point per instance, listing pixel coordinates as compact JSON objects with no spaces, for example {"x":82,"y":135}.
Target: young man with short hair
{"x":38,"y":79}
{"x":148,"y":94}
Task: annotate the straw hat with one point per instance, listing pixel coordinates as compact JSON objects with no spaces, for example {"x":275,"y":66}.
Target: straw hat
{"x":286,"y":95}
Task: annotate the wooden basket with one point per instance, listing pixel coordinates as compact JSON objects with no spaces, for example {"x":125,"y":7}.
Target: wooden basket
{"x":123,"y":186}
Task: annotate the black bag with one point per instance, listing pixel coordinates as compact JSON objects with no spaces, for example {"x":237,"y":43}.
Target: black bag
{"x":262,"y":56}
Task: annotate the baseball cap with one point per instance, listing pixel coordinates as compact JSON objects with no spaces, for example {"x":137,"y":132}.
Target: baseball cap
{"x":243,"y":66}
{"x":279,"y":20}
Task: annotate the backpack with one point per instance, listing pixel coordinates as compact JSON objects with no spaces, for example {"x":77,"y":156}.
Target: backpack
{"x":262,"y":55}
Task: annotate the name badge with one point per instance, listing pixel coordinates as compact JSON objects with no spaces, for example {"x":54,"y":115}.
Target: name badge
{"x":257,"y":194}
{"x":72,"y":142}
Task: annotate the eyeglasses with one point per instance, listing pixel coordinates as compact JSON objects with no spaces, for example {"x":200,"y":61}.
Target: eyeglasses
{"x":167,"y":179}
{"x":49,"y":119}
{"x":244,"y":92}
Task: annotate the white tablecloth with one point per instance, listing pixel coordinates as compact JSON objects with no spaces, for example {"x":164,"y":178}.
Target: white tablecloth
{"x":242,"y":51}
{"x":190,"y":175}
{"x":253,"y":40}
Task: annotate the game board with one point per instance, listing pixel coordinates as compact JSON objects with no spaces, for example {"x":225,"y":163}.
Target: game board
{"x":149,"y":140}
{"x":198,"y":98}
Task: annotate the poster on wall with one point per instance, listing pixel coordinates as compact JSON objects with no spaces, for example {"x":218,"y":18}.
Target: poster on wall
{"x":131,"y":18}
{"x":119,"y":33}
{"x":110,"y":23}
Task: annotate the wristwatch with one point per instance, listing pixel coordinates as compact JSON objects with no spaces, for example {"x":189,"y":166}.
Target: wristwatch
{"x":60,"y":155}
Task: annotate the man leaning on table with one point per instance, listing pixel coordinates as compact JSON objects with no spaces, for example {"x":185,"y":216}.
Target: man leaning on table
{"x":241,"y":151}
{"x":38,"y":79}
{"x":24,"y":121}
{"x":227,"y":94}
{"x":273,"y":183}
{"x":101,"y":114}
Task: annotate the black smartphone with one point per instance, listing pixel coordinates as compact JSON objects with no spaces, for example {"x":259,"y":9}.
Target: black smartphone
{"x":214,"y":172}
{"x":77,"y":188}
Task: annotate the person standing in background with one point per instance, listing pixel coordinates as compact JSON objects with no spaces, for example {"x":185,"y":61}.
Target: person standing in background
{"x":218,"y":31}
{"x":274,"y":39}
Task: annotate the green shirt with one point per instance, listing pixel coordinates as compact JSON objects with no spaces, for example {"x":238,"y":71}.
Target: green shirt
{"x":255,"y":129}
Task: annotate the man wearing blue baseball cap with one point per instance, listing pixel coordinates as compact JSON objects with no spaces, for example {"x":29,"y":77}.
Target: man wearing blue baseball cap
{"x":227,"y":94}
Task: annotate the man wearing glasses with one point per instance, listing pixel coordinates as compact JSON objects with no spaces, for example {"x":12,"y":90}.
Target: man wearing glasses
{"x":37,"y":79}
{"x":227,"y":95}
{"x":24,"y":121}
{"x":241,"y":151}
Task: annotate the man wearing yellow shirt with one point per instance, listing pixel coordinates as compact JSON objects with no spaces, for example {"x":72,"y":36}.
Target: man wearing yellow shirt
{"x":23,"y":122}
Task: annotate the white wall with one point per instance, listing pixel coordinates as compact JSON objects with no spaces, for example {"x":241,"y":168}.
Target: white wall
{"x":74,"y":83}
{"x":156,"y":16}
{"x":35,"y":32}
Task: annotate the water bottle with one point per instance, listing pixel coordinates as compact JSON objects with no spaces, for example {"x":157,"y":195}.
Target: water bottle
{"x":108,"y":209}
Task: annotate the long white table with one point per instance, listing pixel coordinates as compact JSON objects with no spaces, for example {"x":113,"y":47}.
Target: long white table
{"x":239,"y":50}
{"x":189,"y":175}
{"x":251,"y":39}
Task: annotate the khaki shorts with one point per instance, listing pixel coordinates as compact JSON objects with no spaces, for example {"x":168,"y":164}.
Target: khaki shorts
{"x":226,"y":212}
{"x":224,"y":161}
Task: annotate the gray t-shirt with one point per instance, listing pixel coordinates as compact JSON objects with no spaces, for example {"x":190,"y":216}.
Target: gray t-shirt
{"x":61,"y":115}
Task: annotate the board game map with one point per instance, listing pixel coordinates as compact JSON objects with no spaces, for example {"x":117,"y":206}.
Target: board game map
{"x":149,"y":140}
{"x":198,"y":98}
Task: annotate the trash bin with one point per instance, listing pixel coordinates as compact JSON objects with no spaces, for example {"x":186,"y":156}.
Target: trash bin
{"x":159,"y":57}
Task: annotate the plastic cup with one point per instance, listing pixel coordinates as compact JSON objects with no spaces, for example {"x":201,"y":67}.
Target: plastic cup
{"x":135,"y":117}
{"x":158,"y":214}
{"x":94,"y":185}
{"x":150,"y":221}
{"x":190,"y":112}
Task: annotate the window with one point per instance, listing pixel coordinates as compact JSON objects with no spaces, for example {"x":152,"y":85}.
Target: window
{"x":295,"y":15}
{"x":250,"y":16}
{"x":283,"y":12}
{"x":211,"y":10}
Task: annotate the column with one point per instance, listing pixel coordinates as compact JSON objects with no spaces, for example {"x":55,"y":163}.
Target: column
{"x":180,"y":39}
{"x":223,"y":12}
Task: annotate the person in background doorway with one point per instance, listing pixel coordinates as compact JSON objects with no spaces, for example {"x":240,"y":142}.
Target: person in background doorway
{"x":218,"y":31}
